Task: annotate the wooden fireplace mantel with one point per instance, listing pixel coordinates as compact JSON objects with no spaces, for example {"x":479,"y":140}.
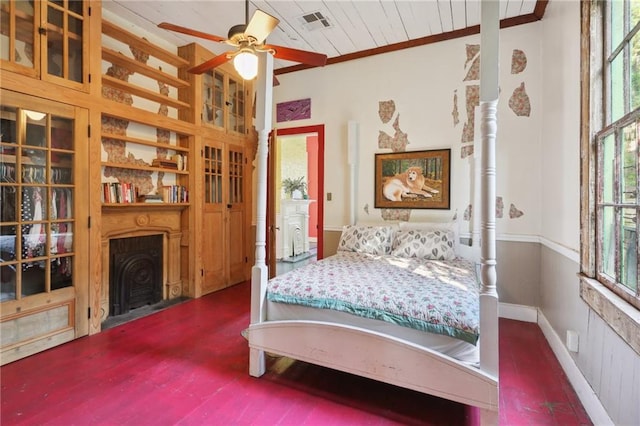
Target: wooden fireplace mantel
{"x":137,"y":221}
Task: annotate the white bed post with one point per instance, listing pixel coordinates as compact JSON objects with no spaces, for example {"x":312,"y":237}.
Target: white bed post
{"x":352,"y":149}
{"x":260,"y":272}
{"x":489,"y":72}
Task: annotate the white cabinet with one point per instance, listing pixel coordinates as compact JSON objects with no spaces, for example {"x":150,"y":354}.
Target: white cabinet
{"x":293,"y":228}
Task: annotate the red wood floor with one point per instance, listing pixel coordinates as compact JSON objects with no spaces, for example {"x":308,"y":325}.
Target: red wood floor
{"x":187,"y":365}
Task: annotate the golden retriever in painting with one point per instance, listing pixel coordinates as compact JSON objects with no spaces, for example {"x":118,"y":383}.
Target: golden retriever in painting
{"x":408,"y":184}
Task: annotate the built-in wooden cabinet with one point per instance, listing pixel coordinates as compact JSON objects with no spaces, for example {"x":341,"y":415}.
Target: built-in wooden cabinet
{"x":224,"y":102}
{"x":129,"y":116}
{"x":46,"y":40}
{"x":222,"y":189}
{"x":43,"y":222}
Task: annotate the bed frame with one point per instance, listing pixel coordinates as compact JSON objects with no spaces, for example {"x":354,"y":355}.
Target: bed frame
{"x":356,"y":350}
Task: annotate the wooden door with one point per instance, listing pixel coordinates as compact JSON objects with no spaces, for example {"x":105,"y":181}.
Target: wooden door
{"x":223,"y":234}
{"x":213,"y":218}
{"x":44,"y":219}
{"x":235,"y":215}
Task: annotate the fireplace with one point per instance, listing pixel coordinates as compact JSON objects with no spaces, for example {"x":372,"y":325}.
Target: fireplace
{"x":135,"y":277}
{"x":162,"y":221}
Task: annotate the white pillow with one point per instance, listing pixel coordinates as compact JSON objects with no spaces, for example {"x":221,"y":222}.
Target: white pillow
{"x":375,"y":240}
{"x":425,"y":244}
{"x":435,"y":226}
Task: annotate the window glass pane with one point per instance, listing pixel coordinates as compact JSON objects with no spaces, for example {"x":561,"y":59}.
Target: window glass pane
{"x":608,"y":242}
{"x":7,"y":243}
{"x":207,"y":96}
{"x":4,"y":24}
{"x":22,"y":33}
{"x":75,"y":6}
{"x":628,"y":243}
{"x":61,"y":133}
{"x":61,"y":205}
{"x":33,"y":172}
{"x":635,"y":64}
{"x":34,"y":240}
{"x":8,"y":200}
{"x":617,"y":87}
{"x":8,"y":282}
{"x":213,"y":175}
{"x":55,"y":46}
{"x":607,"y":168}
{"x":61,"y":273}
{"x":7,"y":127}
{"x":617,"y":23}
{"x":33,"y":278}
{"x":218,"y":87}
{"x":75,"y":60}
{"x":630,"y":163}
{"x":36,"y":131}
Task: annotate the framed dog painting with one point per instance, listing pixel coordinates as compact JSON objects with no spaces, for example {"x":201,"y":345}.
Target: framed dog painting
{"x":413,"y":180}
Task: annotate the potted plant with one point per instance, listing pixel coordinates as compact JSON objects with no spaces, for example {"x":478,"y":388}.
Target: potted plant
{"x":295,"y":188}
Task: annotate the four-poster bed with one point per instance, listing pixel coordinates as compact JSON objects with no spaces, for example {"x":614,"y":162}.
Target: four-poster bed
{"x":366,"y":352}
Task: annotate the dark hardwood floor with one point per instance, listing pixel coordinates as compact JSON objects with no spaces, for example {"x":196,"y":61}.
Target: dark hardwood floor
{"x":188,"y":365}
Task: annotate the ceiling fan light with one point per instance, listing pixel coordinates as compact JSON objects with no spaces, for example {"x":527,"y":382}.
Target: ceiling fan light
{"x":246,"y":63}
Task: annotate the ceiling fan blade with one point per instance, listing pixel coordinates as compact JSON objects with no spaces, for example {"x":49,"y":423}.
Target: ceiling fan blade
{"x":211,"y":63}
{"x":189,"y":31}
{"x":302,"y":56}
{"x":261,"y":25}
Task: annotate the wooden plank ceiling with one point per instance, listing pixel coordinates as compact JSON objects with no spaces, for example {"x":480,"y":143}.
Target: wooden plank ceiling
{"x":341,"y":29}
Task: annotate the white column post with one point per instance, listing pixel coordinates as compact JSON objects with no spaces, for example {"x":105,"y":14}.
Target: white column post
{"x":489,"y":90}
{"x":260,"y":272}
{"x":352,"y":150}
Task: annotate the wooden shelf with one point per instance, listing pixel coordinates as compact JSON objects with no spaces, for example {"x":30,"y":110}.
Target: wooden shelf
{"x":144,"y":142}
{"x":133,"y":40}
{"x":145,"y":206}
{"x":144,"y":93}
{"x":146,"y":168}
{"x":131,"y":64}
{"x":11,"y":159}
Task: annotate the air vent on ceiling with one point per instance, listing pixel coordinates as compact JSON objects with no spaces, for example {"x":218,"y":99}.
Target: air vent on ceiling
{"x":315,"y":21}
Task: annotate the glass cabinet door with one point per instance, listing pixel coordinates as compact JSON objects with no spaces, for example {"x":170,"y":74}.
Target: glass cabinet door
{"x":18,"y":35}
{"x":64,"y":30}
{"x":223,"y":102}
{"x":45,"y":39}
{"x":236,"y":106}
{"x":37,"y":198}
{"x":213,"y":89}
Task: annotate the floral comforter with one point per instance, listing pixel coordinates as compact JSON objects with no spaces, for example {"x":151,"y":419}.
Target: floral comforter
{"x":430,"y":295}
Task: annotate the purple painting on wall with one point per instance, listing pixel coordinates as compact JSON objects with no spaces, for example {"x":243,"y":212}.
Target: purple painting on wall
{"x":293,"y":110}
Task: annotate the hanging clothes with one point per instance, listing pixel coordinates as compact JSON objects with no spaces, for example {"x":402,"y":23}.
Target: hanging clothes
{"x":36,"y":238}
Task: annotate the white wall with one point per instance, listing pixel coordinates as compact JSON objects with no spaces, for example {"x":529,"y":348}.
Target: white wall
{"x":421,"y":81}
{"x":560,"y":134}
{"x":538,"y":170}
{"x":613,"y":389}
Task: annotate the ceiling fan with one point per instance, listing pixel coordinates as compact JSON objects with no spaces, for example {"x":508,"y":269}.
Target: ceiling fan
{"x":248,"y":39}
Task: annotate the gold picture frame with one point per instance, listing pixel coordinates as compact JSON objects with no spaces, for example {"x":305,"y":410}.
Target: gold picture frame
{"x":413,"y":179}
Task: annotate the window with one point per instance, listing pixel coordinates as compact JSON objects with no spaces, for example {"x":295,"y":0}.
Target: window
{"x":617,"y":164}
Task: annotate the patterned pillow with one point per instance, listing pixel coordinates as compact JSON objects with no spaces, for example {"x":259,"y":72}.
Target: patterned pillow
{"x":427,"y":244}
{"x":366,"y":239}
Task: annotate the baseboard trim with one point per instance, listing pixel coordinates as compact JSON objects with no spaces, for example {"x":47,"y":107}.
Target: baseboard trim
{"x":587,"y":396}
{"x":518,"y":312}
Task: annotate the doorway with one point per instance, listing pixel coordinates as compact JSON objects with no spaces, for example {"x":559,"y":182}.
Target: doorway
{"x":296,"y":239}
